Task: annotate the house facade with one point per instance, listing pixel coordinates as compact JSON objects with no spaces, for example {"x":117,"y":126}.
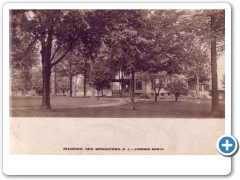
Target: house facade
{"x":143,"y":87}
{"x":122,"y":87}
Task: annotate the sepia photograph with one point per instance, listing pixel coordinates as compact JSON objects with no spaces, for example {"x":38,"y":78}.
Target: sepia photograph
{"x":116,"y":81}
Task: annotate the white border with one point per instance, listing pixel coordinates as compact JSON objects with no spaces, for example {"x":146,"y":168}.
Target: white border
{"x":117,"y":6}
{"x":114,"y":165}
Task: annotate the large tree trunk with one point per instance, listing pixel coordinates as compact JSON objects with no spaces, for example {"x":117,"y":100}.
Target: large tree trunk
{"x":75,"y":85}
{"x":119,"y":84}
{"x":25,"y":87}
{"x":153,"y":81}
{"x":46,"y":88}
{"x":85,"y":85}
{"x":197,"y":90}
{"x":85,"y":79}
{"x":112,"y":88}
{"x":215,"y":103}
{"x":132,"y":88}
{"x":70,"y":85}
{"x":157,"y":90}
{"x":176,"y":97}
{"x":70,"y":79}
{"x":157,"y":93}
{"x":155,"y":96}
{"x":46,"y":71}
{"x":54,"y":84}
{"x":121,"y":92}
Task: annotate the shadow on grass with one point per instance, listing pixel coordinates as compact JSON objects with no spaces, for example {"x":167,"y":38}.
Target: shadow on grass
{"x":144,"y":109}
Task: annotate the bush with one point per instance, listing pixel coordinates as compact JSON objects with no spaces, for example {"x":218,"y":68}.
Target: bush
{"x":144,"y":96}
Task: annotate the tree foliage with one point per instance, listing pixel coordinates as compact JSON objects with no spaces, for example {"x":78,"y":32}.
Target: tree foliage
{"x":197,"y":64}
{"x":177,"y":85}
{"x":158,"y":42}
{"x":56,"y":32}
{"x":101,"y":76}
{"x":22,"y":61}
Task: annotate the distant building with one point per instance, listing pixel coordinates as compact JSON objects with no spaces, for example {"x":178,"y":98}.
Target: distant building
{"x":122,"y":87}
{"x":142,"y":87}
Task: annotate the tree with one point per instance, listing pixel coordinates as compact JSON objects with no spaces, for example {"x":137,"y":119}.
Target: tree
{"x":197,"y":67}
{"x":100,"y":25}
{"x":20,"y":81}
{"x":127,"y":44}
{"x":71,"y":65}
{"x":101,"y":77}
{"x":177,"y":86}
{"x":56,"y":32}
{"x":22,"y":61}
{"x":210,"y":24}
{"x":217,"y":26}
{"x":36,"y":80}
{"x":156,"y":79}
{"x":167,"y":47}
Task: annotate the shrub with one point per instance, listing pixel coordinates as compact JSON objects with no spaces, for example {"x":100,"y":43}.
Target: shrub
{"x":144,"y":96}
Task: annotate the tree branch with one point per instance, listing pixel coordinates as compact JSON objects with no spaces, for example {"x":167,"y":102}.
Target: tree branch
{"x":64,"y":54}
{"x":53,"y":56}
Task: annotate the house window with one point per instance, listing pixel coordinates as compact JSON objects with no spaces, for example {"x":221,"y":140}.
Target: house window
{"x":162,"y":94}
{"x":138,"y":85}
{"x":169,"y":94}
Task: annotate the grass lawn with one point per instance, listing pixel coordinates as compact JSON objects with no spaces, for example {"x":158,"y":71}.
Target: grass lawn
{"x":59,"y":101}
{"x":144,"y":109}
